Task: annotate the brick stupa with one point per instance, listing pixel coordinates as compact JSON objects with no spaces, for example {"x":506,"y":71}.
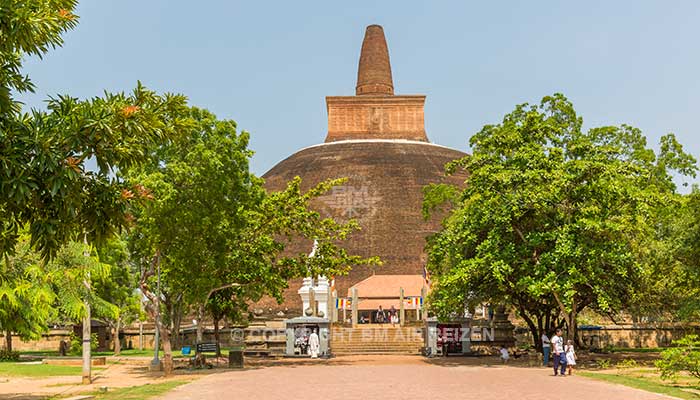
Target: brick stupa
{"x":376,"y":140}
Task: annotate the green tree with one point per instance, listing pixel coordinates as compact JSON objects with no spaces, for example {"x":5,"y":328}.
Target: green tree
{"x":670,"y":285}
{"x":552,"y":217}
{"x":26,"y":296}
{"x":75,"y":276}
{"x":683,"y":357}
{"x":228,"y":304}
{"x":119,"y":288}
{"x":213,"y":226}
{"x":45,"y":184}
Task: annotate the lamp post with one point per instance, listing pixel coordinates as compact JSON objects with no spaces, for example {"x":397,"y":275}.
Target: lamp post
{"x":155,"y":363}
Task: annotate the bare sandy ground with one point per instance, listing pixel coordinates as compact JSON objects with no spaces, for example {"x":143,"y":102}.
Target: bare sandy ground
{"x":369,"y":377}
{"x":130,"y":371}
{"x":397,"y":377}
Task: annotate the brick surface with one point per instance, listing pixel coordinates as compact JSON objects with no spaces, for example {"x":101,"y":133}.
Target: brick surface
{"x":374,"y":71}
{"x":378,"y":142}
{"x":394,"y":377}
{"x":383,"y":193}
{"x":376,"y":117}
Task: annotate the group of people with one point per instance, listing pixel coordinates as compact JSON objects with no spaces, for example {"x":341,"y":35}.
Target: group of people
{"x":564,"y":355}
{"x":382,"y":316}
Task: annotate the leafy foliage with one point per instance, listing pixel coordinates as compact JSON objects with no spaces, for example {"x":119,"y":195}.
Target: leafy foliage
{"x":213,"y":226}
{"x":76,"y":343}
{"x":44,"y":184}
{"x":684,"y":357}
{"x":28,"y":28}
{"x":553,"y":219}
{"x":9,"y":355}
{"x":26,"y":295}
{"x":670,"y":283}
{"x":73,"y":273}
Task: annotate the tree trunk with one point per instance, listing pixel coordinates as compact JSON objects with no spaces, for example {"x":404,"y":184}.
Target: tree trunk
{"x":571,"y":322}
{"x":153,"y":308}
{"x":117,"y":342}
{"x":163,"y":329}
{"x":200,"y":323}
{"x":176,"y":339}
{"x":541,"y":330}
{"x":167,"y":350}
{"x":216,"y":336}
{"x":533,"y":328}
{"x":174,"y":309}
{"x":8,"y":340}
{"x":565,"y":313}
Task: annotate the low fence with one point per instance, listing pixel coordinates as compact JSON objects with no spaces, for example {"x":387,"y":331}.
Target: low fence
{"x":633,"y":336}
{"x":49,"y":341}
{"x":629,"y":336}
{"x":271,"y":336}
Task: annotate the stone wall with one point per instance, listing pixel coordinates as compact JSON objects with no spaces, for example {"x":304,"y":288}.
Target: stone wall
{"x":631,"y":336}
{"x":48,"y":342}
{"x":634,"y":336}
{"x":267,"y":335}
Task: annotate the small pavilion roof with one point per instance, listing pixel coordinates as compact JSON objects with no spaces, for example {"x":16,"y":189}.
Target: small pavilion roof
{"x":387,"y":286}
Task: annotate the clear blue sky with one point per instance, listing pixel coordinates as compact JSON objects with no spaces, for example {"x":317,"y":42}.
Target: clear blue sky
{"x":268,"y":65}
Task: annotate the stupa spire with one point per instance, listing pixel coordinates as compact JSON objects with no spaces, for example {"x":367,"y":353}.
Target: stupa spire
{"x":374,"y":71}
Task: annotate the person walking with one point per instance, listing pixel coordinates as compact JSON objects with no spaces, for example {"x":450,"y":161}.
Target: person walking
{"x":393,"y":316}
{"x":380,"y":316}
{"x":570,"y":355}
{"x":546,"y":348}
{"x":559,"y":355}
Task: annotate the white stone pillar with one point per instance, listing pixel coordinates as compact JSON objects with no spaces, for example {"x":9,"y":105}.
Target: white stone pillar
{"x":321,"y":291}
{"x":304,"y":293}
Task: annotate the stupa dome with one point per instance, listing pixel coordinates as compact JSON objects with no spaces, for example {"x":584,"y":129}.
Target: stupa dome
{"x":377,"y":141}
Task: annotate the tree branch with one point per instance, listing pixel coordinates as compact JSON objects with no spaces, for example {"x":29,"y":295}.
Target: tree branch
{"x":229,"y":285}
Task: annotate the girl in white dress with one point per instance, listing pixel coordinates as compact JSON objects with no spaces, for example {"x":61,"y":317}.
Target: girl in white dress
{"x":570,"y":355}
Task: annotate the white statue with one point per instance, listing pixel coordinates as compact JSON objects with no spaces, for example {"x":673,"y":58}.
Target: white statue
{"x":314,"y":344}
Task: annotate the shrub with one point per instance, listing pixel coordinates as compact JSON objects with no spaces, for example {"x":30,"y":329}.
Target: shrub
{"x":603,"y":364}
{"x":76,"y":344}
{"x":627,"y":363}
{"x":9,"y":355}
{"x":685,"y":357}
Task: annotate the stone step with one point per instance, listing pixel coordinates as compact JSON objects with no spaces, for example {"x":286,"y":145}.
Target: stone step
{"x":375,"y":347}
{"x":376,"y":339}
{"x":378,"y":352}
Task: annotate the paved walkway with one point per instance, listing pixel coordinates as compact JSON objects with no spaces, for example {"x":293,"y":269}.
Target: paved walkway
{"x":392,"y":377}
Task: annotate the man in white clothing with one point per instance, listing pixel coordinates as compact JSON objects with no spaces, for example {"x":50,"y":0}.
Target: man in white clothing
{"x":559,"y":355}
{"x":545,"y":349}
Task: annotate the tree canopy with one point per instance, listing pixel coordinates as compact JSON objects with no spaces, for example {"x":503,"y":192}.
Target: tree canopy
{"x":44,"y":182}
{"x":211,"y":225}
{"x":553,"y":219}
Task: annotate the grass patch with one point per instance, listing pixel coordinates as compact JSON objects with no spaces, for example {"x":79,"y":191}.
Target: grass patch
{"x":643,"y":383}
{"x":130,"y":353}
{"x":139,"y":392}
{"x":125,"y":353}
{"x":31,"y":370}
